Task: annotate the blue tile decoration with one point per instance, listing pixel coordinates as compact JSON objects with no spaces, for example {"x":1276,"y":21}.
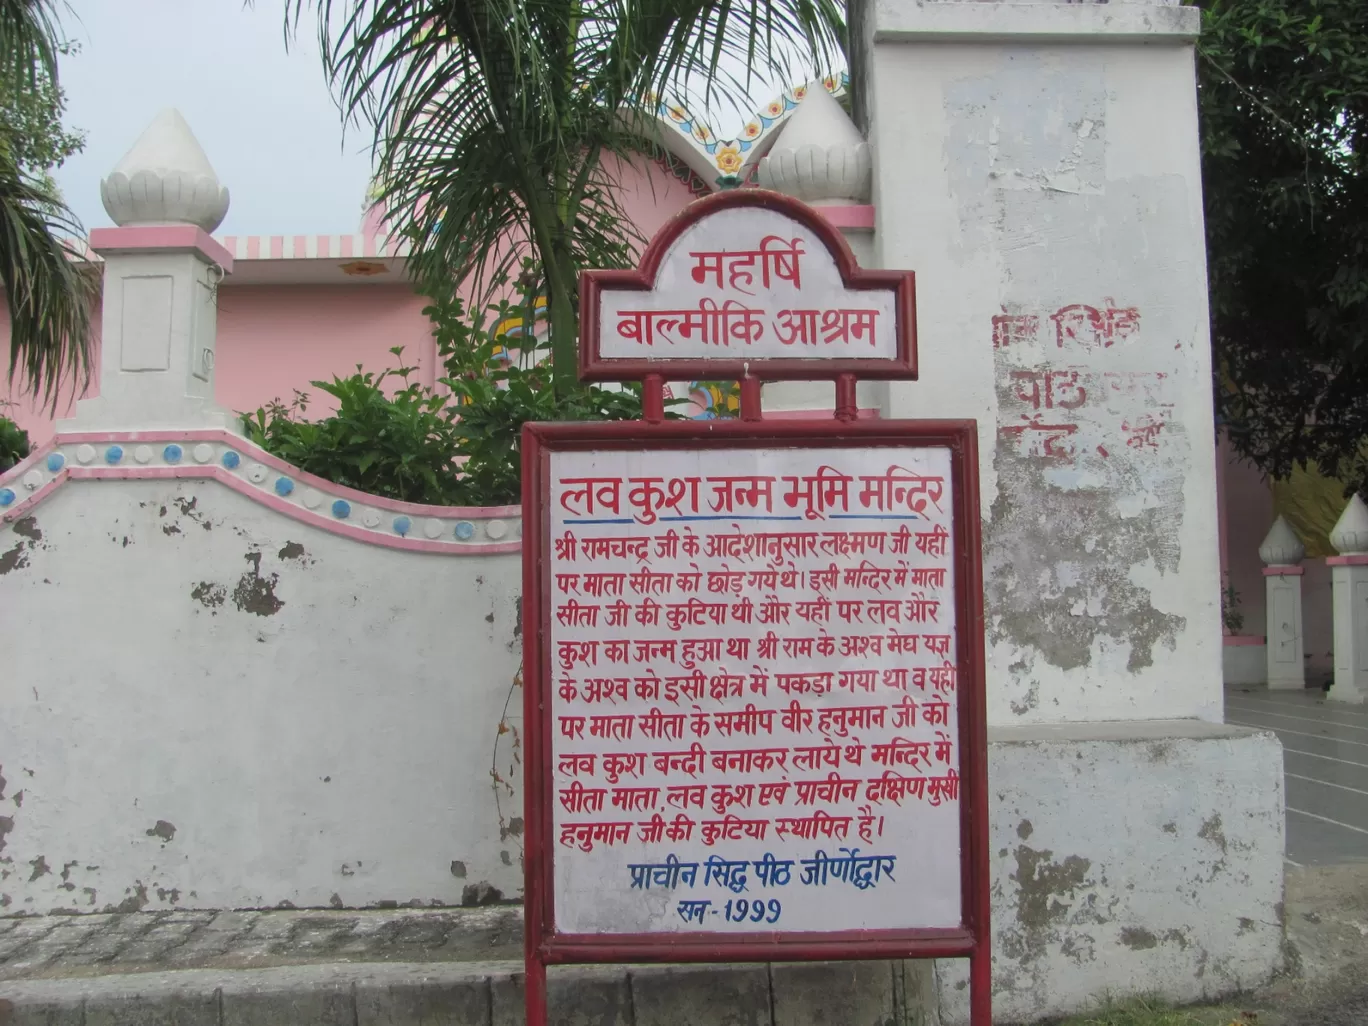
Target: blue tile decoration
{"x":465,"y":530}
{"x":284,"y":486}
{"x":55,"y":461}
{"x":341,"y":509}
{"x":231,"y":460}
{"x":173,"y":453}
{"x":113,"y":454}
{"x":402,"y":526}
{"x":6,"y":496}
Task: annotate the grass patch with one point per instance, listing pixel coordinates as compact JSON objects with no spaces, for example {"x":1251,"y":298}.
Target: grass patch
{"x":1151,"y":1012}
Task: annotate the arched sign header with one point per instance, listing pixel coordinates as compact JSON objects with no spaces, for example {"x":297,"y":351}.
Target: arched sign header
{"x":748,"y":284}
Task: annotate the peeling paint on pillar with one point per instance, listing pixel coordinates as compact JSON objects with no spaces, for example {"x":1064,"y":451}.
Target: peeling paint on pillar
{"x":1090,"y":476}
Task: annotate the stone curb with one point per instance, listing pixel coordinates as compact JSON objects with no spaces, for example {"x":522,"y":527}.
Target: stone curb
{"x":481,"y":994}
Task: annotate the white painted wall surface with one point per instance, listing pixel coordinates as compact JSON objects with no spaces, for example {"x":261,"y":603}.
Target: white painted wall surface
{"x":207,"y":704}
{"x":1113,"y":874}
{"x":1019,"y":175}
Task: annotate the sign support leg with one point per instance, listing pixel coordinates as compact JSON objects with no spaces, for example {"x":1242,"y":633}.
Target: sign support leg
{"x":980,"y":987}
{"x":653,"y":399}
{"x":847,"y":406}
{"x":534,"y":990}
{"x":750,"y":399}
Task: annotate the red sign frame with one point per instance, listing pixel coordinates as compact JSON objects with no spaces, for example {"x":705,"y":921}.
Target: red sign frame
{"x":544,"y":945}
{"x":596,"y":367}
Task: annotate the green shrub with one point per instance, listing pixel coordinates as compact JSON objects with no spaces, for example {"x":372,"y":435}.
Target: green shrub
{"x":457,"y":447}
{"x":14,"y":444}
{"x":400,"y":445}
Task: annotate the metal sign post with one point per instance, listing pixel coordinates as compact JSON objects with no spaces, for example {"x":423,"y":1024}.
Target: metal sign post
{"x":753,"y":668}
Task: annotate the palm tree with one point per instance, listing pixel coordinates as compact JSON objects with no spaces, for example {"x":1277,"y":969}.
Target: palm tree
{"x":50,"y":293}
{"x":492,"y":118}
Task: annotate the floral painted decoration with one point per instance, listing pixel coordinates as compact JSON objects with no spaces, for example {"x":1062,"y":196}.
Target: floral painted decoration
{"x":729,"y":155}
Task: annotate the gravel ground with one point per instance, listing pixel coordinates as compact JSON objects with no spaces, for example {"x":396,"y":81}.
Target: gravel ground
{"x":1327,"y":929}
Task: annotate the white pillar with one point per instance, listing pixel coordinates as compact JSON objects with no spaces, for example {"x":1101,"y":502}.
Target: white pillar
{"x":162,"y":270}
{"x":1349,"y":581}
{"x":1283,"y":551}
{"x":820,"y":157}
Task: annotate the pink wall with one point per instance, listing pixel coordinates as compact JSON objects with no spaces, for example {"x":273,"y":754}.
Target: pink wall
{"x":1318,"y":625}
{"x":1247,"y":516}
{"x":273,"y":339}
{"x":30,"y":414}
{"x":649,"y":195}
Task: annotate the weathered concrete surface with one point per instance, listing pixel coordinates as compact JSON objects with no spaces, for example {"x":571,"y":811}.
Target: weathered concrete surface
{"x":1129,"y":858}
{"x":1038,"y":165}
{"x":66,"y":947}
{"x":1326,"y":983}
{"x":462,"y":994}
{"x":403,"y":968}
{"x":1322,"y":984}
{"x":205,"y":704}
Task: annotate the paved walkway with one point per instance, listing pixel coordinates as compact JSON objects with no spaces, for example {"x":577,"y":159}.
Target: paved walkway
{"x":69,"y":946}
{"x":1325,"y":755}
{"x":411,"y":967}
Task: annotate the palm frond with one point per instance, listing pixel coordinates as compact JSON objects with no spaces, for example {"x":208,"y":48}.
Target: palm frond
{"x":490,"y":119}
{"x":50,"y":291}
{"x":28,"y":40}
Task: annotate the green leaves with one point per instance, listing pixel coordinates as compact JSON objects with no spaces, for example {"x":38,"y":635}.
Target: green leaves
{"x":455,"y":445}
{"x":391,"y":441}
{"x":14,"y":444}
{"x":1283,"y":90}
{"x":31,"y":108}
{"x":49,"y":289}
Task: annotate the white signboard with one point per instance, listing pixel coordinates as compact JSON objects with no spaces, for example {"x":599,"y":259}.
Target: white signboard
{"x":753,"y":687}
{"x":748,"y":283}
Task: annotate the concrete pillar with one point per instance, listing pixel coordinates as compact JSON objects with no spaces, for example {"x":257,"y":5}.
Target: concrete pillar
{"x":1283,"y":551}
{"x":162,"y":270}
{"x":1349,"y":581}
{"x":1038,"y":165}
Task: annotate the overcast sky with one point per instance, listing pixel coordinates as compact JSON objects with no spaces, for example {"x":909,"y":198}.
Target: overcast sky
{"x":263,"y":114}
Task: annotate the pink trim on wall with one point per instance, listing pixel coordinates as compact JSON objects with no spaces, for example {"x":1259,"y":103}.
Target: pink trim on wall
{"x":30,"y":461}
{"x":20,"y":510}
{"x":251,"y":451}
{"x":346,"y":246}
{"x":277,"y":247}
{"x":217,"y":473}
{"x":289,"y":509}
{"x":1284,"y":571}
{"x":1355,"y":559}
{"x":1236,"y":640}
{"x":850,"y":218}
{"x":254,"y":247}
{"x":171,"y":236}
